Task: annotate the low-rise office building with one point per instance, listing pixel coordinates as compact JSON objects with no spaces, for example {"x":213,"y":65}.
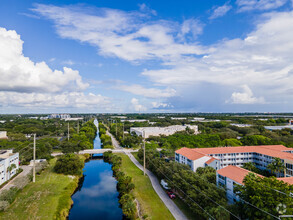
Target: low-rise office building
{"x":7,"y":158}
{"x":156,"y":131}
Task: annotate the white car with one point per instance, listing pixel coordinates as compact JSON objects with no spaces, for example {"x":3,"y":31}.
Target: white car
{"x":164,"y":184}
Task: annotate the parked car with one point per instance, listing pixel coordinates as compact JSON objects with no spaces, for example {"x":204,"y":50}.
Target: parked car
{"x":171,"y":194}
{"x":164,"y":184}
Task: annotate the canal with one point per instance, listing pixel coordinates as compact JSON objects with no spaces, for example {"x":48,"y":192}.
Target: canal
{"x":97,"y":196}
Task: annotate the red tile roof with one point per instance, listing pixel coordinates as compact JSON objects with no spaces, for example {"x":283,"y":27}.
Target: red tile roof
{"x":287,"y":179}
{"x":270,"y":150}
{"x":235,"y":173}
{"x":190,"y":153}
{"x":210,"y":160}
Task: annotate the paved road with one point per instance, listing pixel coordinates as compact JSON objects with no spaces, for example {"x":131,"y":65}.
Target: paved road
{"x":114,"y":141}
{"x":26,"y":170}
{"x":176,"y":212}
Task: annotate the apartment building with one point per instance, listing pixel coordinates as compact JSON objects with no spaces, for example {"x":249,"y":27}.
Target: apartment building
{"x":7,"y":158}
{"x":237,"y":156}
{"x":156,"y":131}
{"x":231,"y":176}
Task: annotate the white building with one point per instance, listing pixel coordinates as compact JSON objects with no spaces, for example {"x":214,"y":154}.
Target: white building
{"x":134,"y":120}
{"x":7,"y":158}
{"x":156,"y":131}
{"x":271,"y":128}
{"x":3,"y":135}
{"x":178,"y":118}
{"x":261,"y":156}
{"x":231,"y":176}
{"x":227,"y":162}
{"x":198,"y":119}
{"x":61,"y":116}
{"x":195,"y":159}
{"x":241,"y":125}
{"x":72,"y":119}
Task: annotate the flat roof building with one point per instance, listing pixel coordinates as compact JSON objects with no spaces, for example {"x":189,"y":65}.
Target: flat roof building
{"x":156,"y":131}
{"x":3,"y":135}
{"x":7,"y":158}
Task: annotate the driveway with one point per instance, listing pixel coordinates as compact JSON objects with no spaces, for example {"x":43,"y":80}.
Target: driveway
{"x":26,"y":171}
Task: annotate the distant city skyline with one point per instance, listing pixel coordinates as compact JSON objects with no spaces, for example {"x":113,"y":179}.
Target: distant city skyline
{"x":146,"y":56}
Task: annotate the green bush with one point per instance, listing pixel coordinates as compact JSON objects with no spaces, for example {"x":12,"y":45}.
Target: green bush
{"x":9,"y":195}
{"x":69,"y":164}
{"x":3,"y":205}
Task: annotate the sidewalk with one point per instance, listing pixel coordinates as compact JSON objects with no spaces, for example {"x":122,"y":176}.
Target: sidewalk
{"x":26,"y":170}
{"x":176,"y":212}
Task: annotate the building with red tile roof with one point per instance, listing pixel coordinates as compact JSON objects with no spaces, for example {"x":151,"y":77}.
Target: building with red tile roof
{"x":261,"y":156}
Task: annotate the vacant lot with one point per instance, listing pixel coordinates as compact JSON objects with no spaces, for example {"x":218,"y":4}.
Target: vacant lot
{"x":40,"y":200}
{"x":149,"y":201}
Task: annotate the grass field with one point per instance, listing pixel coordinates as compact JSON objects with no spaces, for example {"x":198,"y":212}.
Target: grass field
{"x":40,"y":200}
{"x":179,"y":202}
{"x":149,"y":201}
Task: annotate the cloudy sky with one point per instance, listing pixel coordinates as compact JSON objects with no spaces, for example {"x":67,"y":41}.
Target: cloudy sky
{"x":146,"y":56}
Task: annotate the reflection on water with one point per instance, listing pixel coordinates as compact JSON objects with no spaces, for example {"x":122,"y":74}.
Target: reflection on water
{"x":97,"y":198}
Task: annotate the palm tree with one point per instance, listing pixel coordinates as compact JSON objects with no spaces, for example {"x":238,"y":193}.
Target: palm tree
{"x":10,"y":168}
{"x":277,"y":166}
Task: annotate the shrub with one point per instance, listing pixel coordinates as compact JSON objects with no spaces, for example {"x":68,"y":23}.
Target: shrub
{"x":69,"y":164}
{"x":3,"y":205}
{"x":9,"y":195}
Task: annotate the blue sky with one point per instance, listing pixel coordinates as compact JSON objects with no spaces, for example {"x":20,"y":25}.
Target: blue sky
{"x":146,"y":56}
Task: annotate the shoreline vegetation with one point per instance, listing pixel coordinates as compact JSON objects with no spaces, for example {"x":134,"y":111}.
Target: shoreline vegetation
{"x":150,"y":204}
{"x":125,"y":186}
{"x":50,"y":196}
{"x":105,"y":139}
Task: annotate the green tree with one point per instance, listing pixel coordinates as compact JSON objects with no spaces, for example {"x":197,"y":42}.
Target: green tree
{"x":69,"y":164}
{"x":264,"y":193}
{"x":277,"y":166}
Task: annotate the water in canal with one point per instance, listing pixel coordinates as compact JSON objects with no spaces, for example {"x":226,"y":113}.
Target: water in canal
{"x":97,"y":197}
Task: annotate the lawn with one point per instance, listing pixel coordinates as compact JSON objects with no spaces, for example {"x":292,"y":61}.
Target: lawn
{"x":150,"y":203}
{"x":40,"y":200}
{"x":178,"y":201}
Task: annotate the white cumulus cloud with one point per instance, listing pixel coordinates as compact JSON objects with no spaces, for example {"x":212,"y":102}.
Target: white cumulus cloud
{"x":130,"y":36}
{"x":19,"y":73}
{"x":246,"y":97}
{"x":137,"y":106}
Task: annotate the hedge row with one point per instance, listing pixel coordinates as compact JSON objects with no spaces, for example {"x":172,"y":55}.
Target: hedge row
{"x":124,"y":186}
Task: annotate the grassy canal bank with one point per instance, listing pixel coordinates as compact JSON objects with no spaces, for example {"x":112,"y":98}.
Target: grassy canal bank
{"x":150,"y":204}
{"x":48,"y":198}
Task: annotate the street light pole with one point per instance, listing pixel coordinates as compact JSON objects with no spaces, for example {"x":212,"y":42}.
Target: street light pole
{"x":34,"y":158}
{"x":68,"y":132}
{"x":144,"y":153}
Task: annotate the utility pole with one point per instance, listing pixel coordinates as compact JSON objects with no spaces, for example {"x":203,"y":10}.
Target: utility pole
{"x":144,"y":153}
{"x":68,"y":132}
{"x":34,"y":158}
{"x":77,"y":126}
{"x":116,"y":128}
{"x":123,"y":131}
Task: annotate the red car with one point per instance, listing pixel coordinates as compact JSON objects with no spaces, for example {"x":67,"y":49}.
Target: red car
{"x":171,"y":194}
